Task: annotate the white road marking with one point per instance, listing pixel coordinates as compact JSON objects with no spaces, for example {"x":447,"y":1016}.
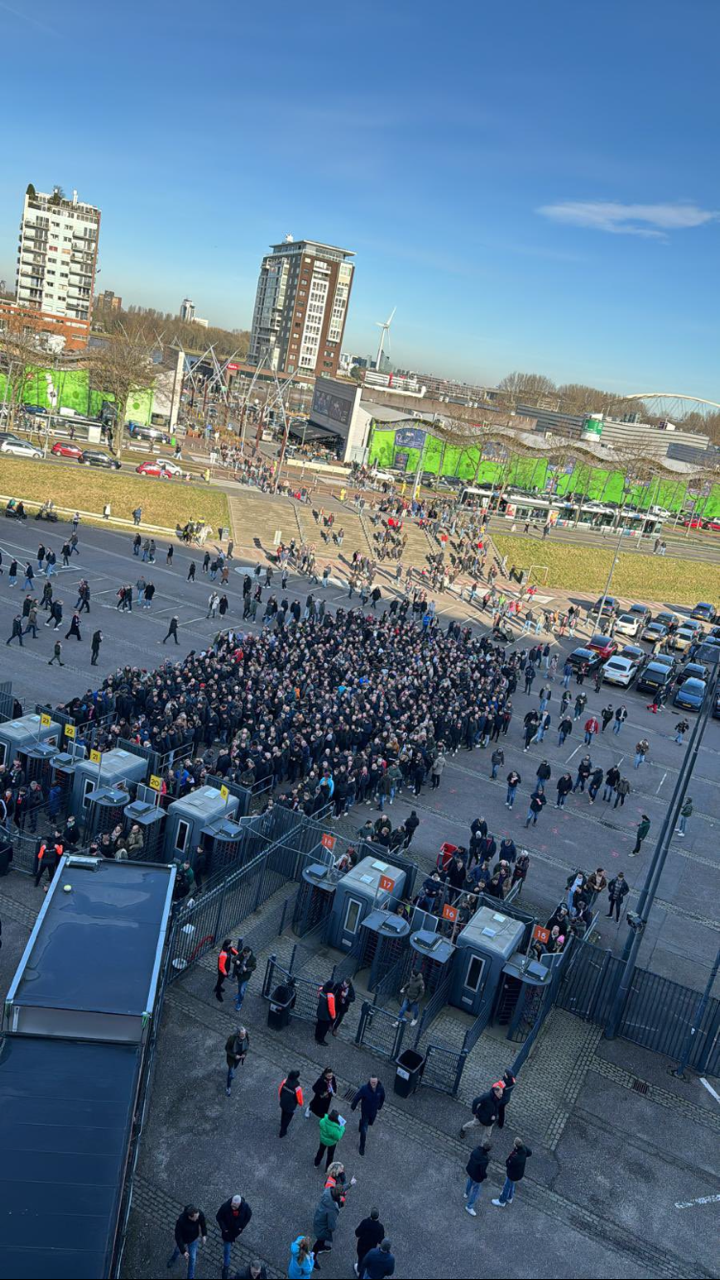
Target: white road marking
{"x":688,"y":1204}
{"x":659,"y":785}
{"x":710,"y":1089}
{"x":573,"y":754}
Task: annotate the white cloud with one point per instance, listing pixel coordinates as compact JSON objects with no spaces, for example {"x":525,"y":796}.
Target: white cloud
{"x":649,"y":220}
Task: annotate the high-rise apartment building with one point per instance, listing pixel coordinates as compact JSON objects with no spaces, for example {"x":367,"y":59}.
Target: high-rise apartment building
{"x":301,"y":307}
{"x":57,"y":257}
{"x":187,"y":309}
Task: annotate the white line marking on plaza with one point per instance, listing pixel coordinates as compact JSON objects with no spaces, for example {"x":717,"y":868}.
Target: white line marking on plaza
{"x":710,"y":1089}
{"x":659,"y":785}
{"x":688,"y":1204}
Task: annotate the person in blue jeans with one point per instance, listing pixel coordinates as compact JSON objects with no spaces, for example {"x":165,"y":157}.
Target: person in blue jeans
{"x":641,"y":750}
{"x":515,"y":1167}
{"x":513,"y":781}
{"x":620,"y":718}
{"x":245,"y":966}
{"x":476,"y":1170}
{"x":232,"y":1218}
{"x":190,"y":1232}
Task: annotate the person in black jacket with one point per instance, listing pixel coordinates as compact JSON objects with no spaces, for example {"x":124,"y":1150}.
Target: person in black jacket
{"x":253,"y":1271}
{"x":370,"y":1233}
{"x":232,"y":1218}
{"x":476,"y":1170}
{"x":344,"y":993}
{"x":509,"y":1081}
{"x":370,"y":1098}
{"x":325,"y":1013}
{"x":485,"y":1108}
{"x":290,"y":1096}
{"x":324,"y":1090}
{"x":515,"y":1165}
{"x":190,"y":1232}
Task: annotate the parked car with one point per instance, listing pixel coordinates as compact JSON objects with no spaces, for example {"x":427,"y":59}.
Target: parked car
{"x":21,"y":449}
{"x":668,"y":619}
{"x":589,"y":656}
{"x":682,"y":639}
{"x":693,"y":671}
{"x":653,"y":677}
{"x":619,"y":670}
{"x":664,"y":660}
{"x":96,"y":458}
{"x":604,"y":645}
{"x":641,"y":611}
{"x":35,"y":408}
{"x":690,"y":695}
{"x":609,"y":609}
{"x":633,"y":653}
{"x":654,"y":631}
{"x":705,"y":612}
{"x":66,"y":449}
{"x":627,"y":625}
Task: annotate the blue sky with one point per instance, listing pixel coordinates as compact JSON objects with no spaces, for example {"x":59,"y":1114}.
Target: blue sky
{"x":532,"y":186}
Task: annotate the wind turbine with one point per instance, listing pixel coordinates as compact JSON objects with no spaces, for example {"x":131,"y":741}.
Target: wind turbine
{"x":384,"y":327}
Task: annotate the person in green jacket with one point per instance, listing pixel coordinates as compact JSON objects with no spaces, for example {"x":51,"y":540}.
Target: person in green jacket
{"x":642,"y":829}
{"x":685,"y":813}
{"x":332,"y":1128}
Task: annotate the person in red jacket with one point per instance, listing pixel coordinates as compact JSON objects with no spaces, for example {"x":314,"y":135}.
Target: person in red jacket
{"x":326,"y":1012}
{"x":592,"y":726}
{"x":224,"y":966}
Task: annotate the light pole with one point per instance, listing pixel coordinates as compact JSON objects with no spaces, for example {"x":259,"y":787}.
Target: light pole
{"x":608,"y":584}
{"x":638,"y":919}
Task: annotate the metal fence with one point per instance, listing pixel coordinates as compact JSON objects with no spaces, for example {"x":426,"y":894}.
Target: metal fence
{"x":444,"y":1068}
{"x":435,"y":1004}
{"x":305,"y":990}
{"x":380,"y":1031}
{"x":657,"y":1014}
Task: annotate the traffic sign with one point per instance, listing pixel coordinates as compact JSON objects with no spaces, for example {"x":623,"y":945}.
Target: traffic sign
{"x":69,"y":730}
{"x":96,"y":757}
{"x":155,"y":782}
{"x":387,"y":884}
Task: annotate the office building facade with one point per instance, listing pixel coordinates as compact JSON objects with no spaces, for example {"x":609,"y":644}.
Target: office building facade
{"x":301,"y":307}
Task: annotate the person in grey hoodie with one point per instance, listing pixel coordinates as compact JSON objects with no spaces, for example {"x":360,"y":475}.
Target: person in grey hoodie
{"x":326,"y":1219}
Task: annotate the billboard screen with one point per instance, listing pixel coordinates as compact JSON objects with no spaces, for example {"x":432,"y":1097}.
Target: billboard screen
{"x":333,"y":404}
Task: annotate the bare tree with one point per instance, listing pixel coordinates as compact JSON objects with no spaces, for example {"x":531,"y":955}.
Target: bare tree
{"x":19,"y":355}
{"x":119,"y":369}
{"x":524,"y":388}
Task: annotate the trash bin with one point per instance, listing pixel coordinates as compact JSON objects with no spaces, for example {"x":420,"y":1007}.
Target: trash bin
{"x":408,"y":1072}
{"x":281,"y":1002}
{"x":223,"y":534}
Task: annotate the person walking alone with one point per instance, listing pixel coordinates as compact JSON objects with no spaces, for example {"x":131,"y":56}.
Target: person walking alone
{"x":236,"y":1050}
{"x":369,"y":1234}
{"x":17,"y":631}
{"x":485,"y":1109}
{"x":642,"y":830}
{"x":332,"y":1130}
{"x":74,"y":628}
{"x":302,"y":1258}
{"x":325,"y":1013}
{"x":378,"y":1263}
{"x":641,"y":750}
{"x":57,"y":650}
{"x":620,"y":718}
{"x":290,"y":1096}
{"x":685,"y":813}
{"x":617,"y":890}
{"x":172,"y":630}
{"x":95,"y":647}
{"x":515,"y":1166}
{"x":370,"y":1098}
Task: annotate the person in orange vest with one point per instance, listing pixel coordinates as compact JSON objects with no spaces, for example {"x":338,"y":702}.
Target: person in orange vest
{"x":290,"y":1095}
{"x":224,"y":966}
{"x":326,"y":1012}
{"x":47,"y":859}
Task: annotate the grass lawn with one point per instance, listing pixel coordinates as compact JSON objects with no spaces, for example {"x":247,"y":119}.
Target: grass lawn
{"x":637,"y":577}
{"x":164,"y":502}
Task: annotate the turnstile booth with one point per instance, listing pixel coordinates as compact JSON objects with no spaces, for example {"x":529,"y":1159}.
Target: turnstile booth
{"x":433,"y":957}
{"x":484,"y":947}
{"x":372,"y":884}
{"x":222,"y":839}
{"x":18,"y":737}
{"x":104,"y":810}
{"x":38,"y":763}
{"x":383,"y":940}
{"x":315,"y":897}
{"x":190,"y":816}
{"x":150,"y":818}
{"x":115,"y":767}
{"x":62,"y":771}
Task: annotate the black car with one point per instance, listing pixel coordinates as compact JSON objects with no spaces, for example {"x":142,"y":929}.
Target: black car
{"x":96,"y":458}
{"x":653,"y":677}
{"x":610,"y":609}
{"x":693,"y":671}
{"x":588,"y":657}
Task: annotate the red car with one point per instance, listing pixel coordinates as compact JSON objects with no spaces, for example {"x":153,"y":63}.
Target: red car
{"x":156,"y":469}
{"x":603,"y":645}
{"x":65,"y":449}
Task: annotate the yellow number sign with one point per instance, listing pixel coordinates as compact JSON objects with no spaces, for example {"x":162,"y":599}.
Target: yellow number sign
{"x":69,"y":730}
{"x":155,"y":782}
{"x":96,"y":757}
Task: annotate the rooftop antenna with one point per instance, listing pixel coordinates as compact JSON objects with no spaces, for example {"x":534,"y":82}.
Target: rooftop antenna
{"x":384,"y":327}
